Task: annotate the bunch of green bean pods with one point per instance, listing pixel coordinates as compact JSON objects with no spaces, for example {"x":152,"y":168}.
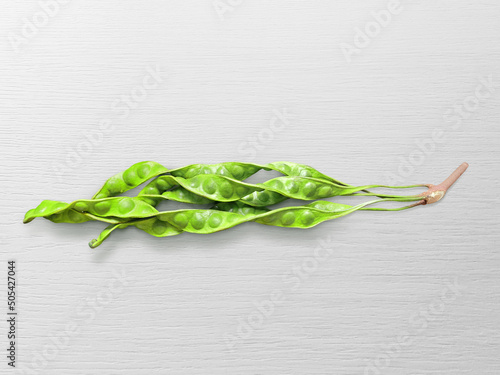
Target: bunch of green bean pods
{"x":231,"y":200}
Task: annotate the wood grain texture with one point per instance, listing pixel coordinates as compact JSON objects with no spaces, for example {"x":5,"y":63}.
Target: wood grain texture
{"x":408,"y":293}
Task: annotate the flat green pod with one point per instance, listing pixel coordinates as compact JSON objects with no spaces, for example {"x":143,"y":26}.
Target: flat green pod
{"x":151,"y":193}
{"x":73,"y":216}
{"x":263,"y":198}
{"x":106,"y":232}
{"x":141,"y":172}
{"x":235,"y":170}
{"x":130,"y":178}
{"x":157,"y":227}
{"x":305,"y":216}
{"x":235,"y":201}
{"x":226,"y":215}
{"x":178,"y":195}
{"x":152,"y":226}
{"x":241,"y":171}
{"x":70,"y":216}
{"x":301,"y":170}
{"x":280,"y":189}
{"x":161,"y":227}
{"x":217,"y":188}
{"x":45,"y":208}
{"x":119,"y":207}
{"x":211,"y":191}
{"x":159,"y":185}
{"x":159,"y":188}
{"x":206,"y":188}
{"x":307,"y":188}
{"x":183,"y":195}
{"x":329,"y":206}
{"x":167,"y":188}
{"x":201,"y":221}
{"x":224,"y":189}
{"x":122,"y":207}
{"x":205,"y":221}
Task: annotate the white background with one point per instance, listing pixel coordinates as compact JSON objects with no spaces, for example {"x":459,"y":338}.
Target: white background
{"x":415,"y":292}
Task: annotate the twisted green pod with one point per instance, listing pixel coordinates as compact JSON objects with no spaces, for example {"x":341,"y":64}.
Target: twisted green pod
{"x":140,"y":172}
{"x":114,"y":207}
{"x":235,"y":201}
{"x":161,"y":185}
{"x":198,"y":184}
{"x":234,"y":170}
{"x":203,"y":188}
{"x":227,"y":215}
{"x":130,"y":178}
{"x":215,"y":188}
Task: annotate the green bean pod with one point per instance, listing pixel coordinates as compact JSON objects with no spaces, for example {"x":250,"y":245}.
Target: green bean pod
{"x":130,"y":178}
{"x":235,"y":170}
{"x":163,"y":183}
{"x":191,"y":190}
{"x":127,"y":179}
{"x":235,"y":201}
{"x":141,"y":172}
{"x":115,"y":207}
{"x":73,"y":216}
{"x":201,"y":189}
{"x":215,"y":188}
{"x":240,"y":171}
{"x":227,"y":215}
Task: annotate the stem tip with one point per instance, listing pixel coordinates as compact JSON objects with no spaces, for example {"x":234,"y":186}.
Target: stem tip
{"x":437,"y":192}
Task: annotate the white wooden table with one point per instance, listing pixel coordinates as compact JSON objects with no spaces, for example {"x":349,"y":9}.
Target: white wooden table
{"x":367,"y":92}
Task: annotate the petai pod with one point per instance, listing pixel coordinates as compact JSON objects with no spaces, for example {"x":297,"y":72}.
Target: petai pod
{"x":73,"y":216}
{"x":115,"y":207}
{"x":227,"y":215}
{"x":301,"y":170}
{"x":152,"y":226}
{"x":168,"y":187}
{"x":234,"y":170}
{"x":215,"y":188}
{"x":165,"y":187}
{"x":130,"y":178}
{"x":234,"y":201}
{"x":141,"y":172}
{"x":162,"y":184}
{"x":117,"y":184}
{"x":241,"y":171}
{"x":201,"y":221}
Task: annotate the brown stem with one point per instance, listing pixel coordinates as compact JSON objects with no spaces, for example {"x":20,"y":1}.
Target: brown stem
{"x":436,"y":192}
